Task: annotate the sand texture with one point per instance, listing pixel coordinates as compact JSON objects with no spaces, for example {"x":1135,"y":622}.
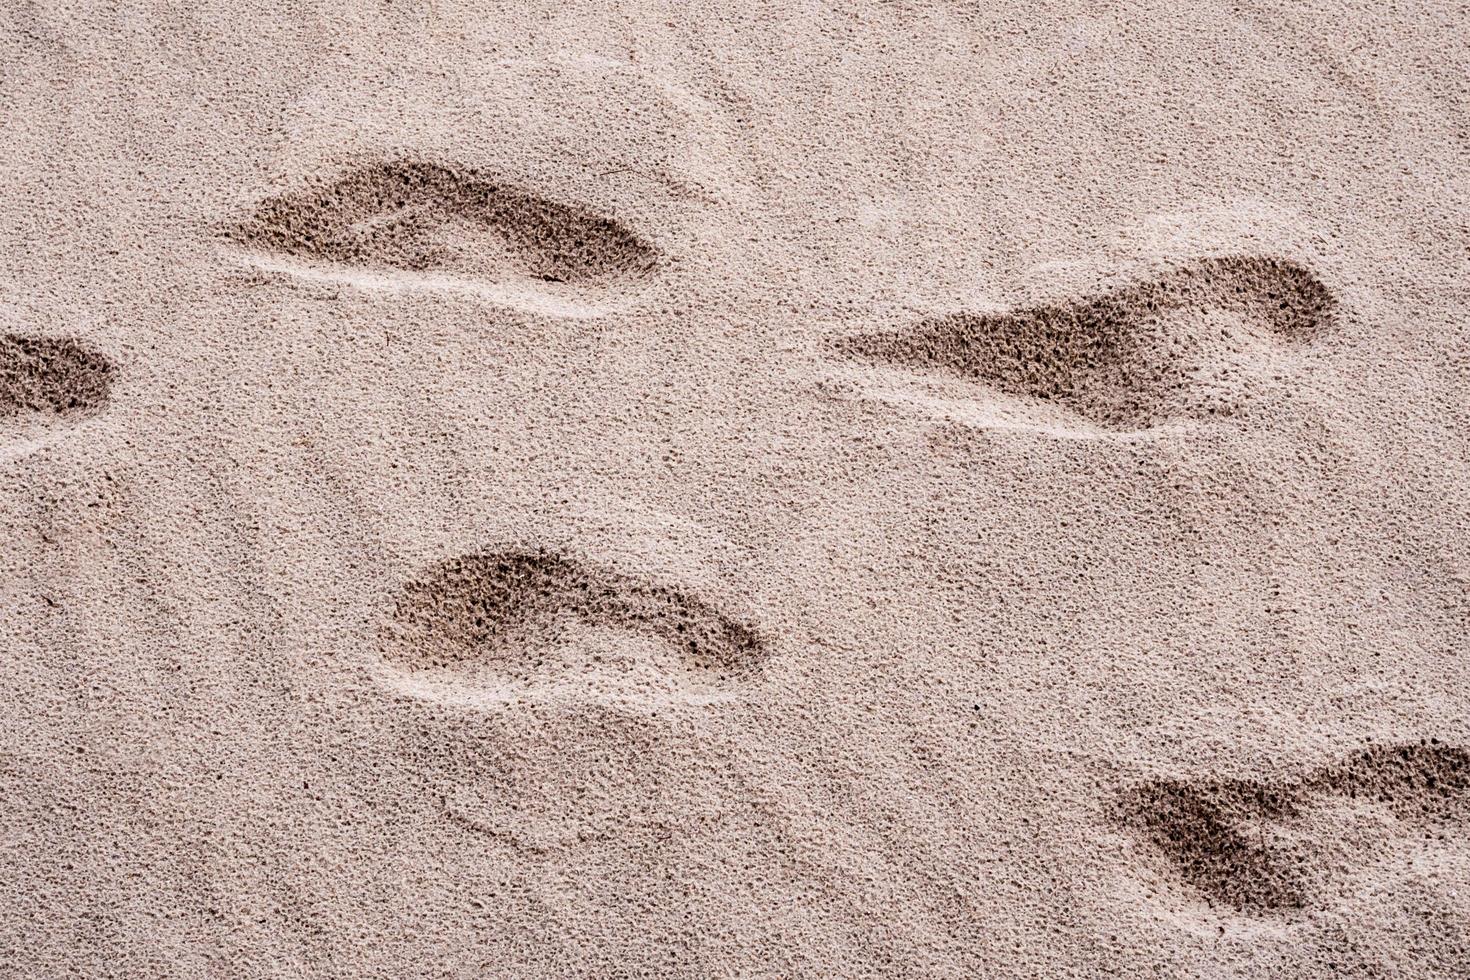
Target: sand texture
{"x":768,"y":490}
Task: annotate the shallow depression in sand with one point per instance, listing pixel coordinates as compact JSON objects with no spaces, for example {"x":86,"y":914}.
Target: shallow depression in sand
{"x":522,"y":623}
{"x":1151,"y":353}
{"x":414,"y":222}
{"x":1272,"y":847}
{"x":46,"y":376}
{"x":46,"y":385}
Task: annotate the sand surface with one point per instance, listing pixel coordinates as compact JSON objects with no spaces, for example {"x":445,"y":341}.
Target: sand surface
{"x":761,"y":490}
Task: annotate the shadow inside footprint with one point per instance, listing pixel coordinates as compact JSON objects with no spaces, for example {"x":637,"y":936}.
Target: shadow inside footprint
{"x":1120,"y":359}
{"x":1203,"y":828}
{"x":424,"y":217}
{"x":505,"y":608}
{"x":1414,"y":780}
{"x":51,"y":376}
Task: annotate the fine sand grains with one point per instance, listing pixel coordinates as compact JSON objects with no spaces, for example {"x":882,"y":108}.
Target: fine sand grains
{"x":580,"y":490}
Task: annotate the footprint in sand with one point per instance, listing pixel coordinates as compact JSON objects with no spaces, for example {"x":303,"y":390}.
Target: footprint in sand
{"x":1416,"y":782}
{"x":43,"y":379}
{"x":1173,"y":347}
{"x":1273,"y":847}
{"x":537,"y":624}
{"x":434,"y":224}
{"x":1207,"y":829}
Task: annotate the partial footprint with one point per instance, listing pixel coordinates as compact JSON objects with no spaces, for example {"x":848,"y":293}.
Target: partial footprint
{"x":535,"y":622}
{"x":1272,"y":847}
{"x":1171,"y":347}
{"x":427,"y":218}
{"x":44,"y":379}
{"x":1415,"y":781}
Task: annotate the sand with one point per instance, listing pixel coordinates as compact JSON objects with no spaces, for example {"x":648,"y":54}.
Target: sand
{"x":782,"y":490}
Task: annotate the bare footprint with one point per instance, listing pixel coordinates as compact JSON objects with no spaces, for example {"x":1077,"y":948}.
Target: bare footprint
{"x":1205,"y":830}
{"x":429,"y":218}
{"x":534,"y":621}
{"x":1165,"y":348}
{"x":1271,"y":847}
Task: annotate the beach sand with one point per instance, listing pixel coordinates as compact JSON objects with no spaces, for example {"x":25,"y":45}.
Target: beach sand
{"x":882,"y":489}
